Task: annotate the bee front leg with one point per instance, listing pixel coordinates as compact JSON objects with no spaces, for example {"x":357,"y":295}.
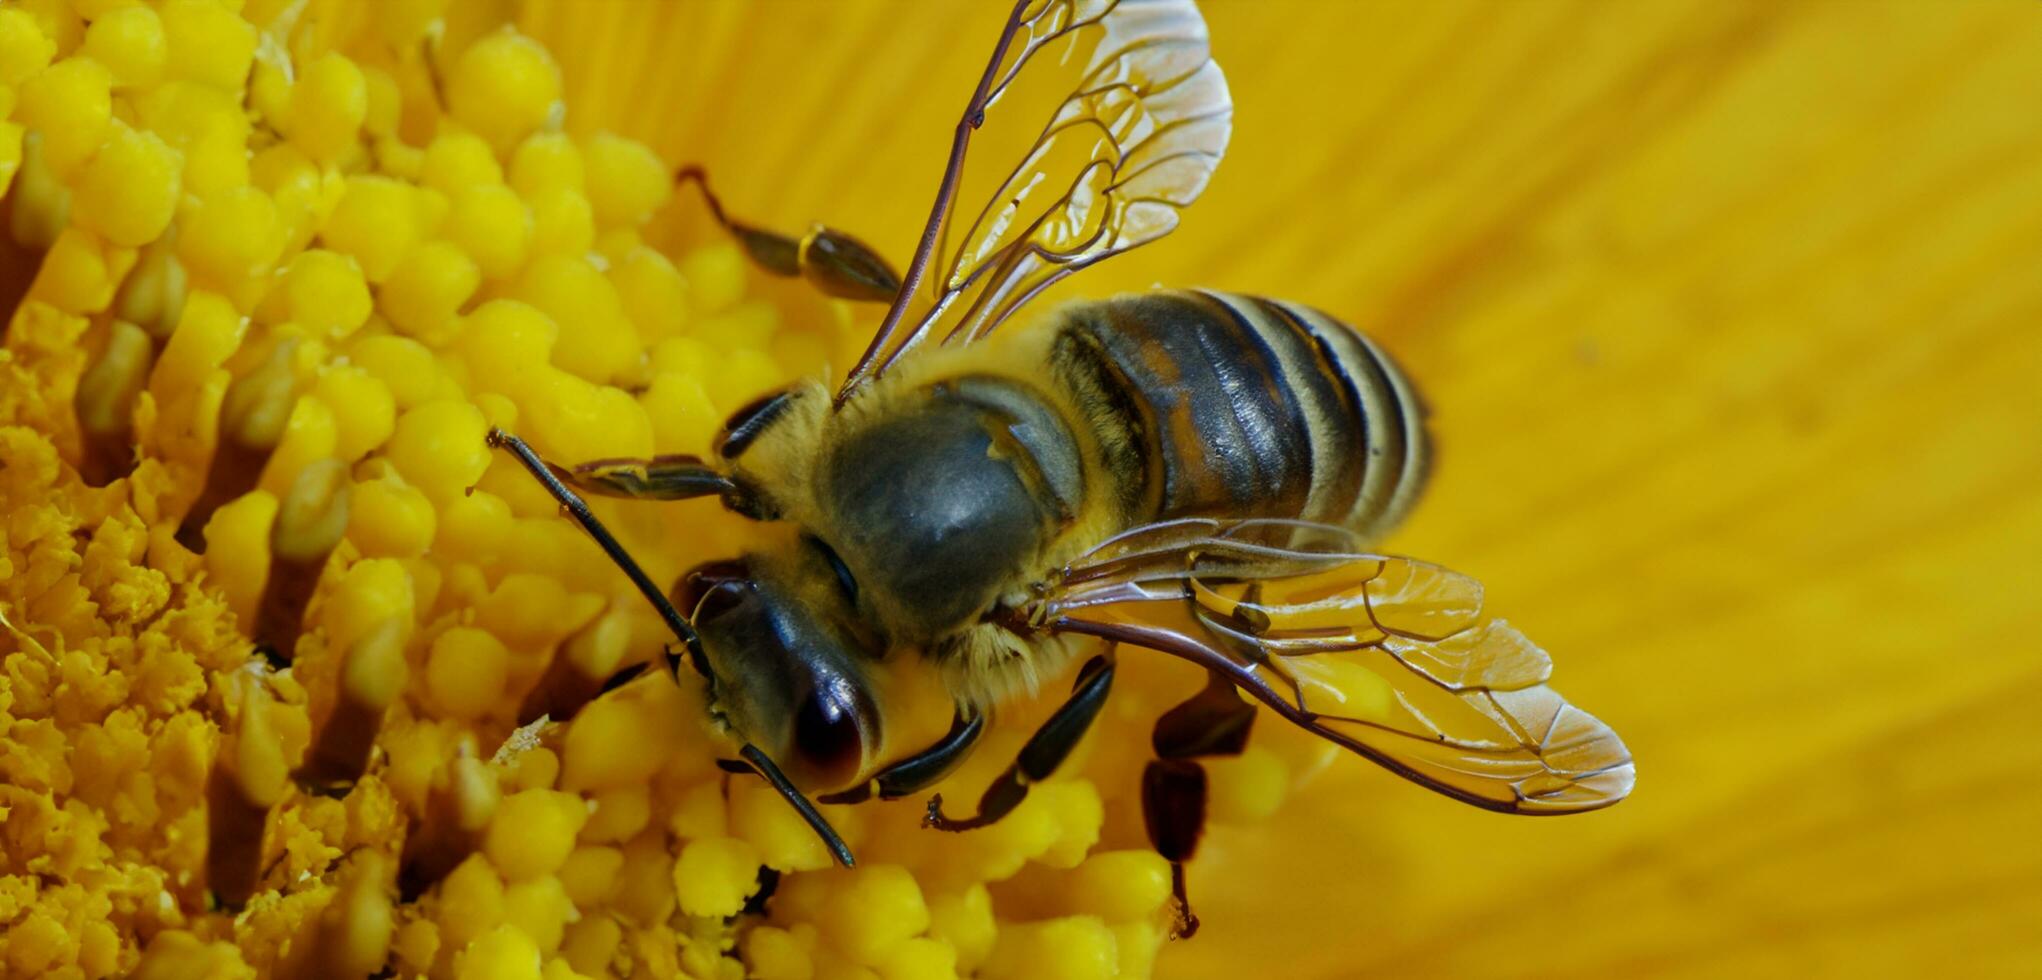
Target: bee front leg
{"x":656,"y":478}
{"x":834,"y":262}
{"x":1045,"y":751}
{"x":1214,"y":722}
{"x":921,"y":770}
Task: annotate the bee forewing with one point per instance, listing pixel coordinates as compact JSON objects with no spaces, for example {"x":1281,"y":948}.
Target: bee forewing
{"x":1134,"y":117}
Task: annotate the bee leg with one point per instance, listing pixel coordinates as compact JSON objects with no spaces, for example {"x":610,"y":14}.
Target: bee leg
{"x":1045,"y":751}
{"x":1215,"y":722}
{"x":921,"y":770}
{"x":657,"y":478}
{"x":833,"y":262}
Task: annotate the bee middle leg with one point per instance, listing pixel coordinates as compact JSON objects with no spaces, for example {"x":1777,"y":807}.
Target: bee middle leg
{"x":1214,"y":722}
{"x":1045,"y":751}
{"x":832,"y":261}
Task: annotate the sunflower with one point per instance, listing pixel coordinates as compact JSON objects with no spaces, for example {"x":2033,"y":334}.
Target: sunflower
{"x":1725,"y":313}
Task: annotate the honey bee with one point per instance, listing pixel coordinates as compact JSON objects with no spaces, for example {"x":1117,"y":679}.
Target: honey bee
{"x":1191,"y":472}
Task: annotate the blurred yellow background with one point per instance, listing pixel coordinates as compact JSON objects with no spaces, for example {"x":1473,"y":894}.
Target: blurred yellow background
{"x":1728,"y":315}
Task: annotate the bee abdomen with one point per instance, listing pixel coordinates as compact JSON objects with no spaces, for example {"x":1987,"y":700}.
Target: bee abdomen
{"x":1238,"y":406}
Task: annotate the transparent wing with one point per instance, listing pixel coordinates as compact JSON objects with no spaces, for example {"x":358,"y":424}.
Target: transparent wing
{"x":1138,"y":116}
{"x":1392,"y":658}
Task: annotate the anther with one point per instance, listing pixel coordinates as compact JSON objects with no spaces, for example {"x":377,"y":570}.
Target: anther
{"x":248,"y":779}
{"x":372,"y":676}
{"x":152,"y":296}
{"x":310,"y":522}
{"x":357,"y":925}
{"x":105,"y":403}
{"x":41,"y":201}
{"x":253,"y":415}
{"x":578,"y":672}
{"x":457,"y":811}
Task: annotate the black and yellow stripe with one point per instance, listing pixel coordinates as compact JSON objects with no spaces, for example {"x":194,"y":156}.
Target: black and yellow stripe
{"x":1237,"y":406}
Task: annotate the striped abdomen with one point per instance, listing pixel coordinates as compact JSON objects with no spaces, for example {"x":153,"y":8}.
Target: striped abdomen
{"x":1243,"y":407}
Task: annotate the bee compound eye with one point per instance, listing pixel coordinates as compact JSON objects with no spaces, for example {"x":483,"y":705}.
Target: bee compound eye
{"x":718,"y":600}
{"x":827,"y":737}
{"x":711,"y":589}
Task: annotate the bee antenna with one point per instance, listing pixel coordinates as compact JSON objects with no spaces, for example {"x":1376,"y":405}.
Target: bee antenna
{"x":800,"y":803}
{"x":579,"y":510}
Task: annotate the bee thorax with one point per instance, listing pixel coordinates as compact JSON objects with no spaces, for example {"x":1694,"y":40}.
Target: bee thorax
{"x":933,"y":509}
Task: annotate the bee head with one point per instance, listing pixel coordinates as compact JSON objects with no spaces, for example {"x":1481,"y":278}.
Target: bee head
{"x":785,"y":662}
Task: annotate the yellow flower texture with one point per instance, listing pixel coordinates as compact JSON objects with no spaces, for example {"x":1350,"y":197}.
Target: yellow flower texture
{"x":1726,"y":313}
